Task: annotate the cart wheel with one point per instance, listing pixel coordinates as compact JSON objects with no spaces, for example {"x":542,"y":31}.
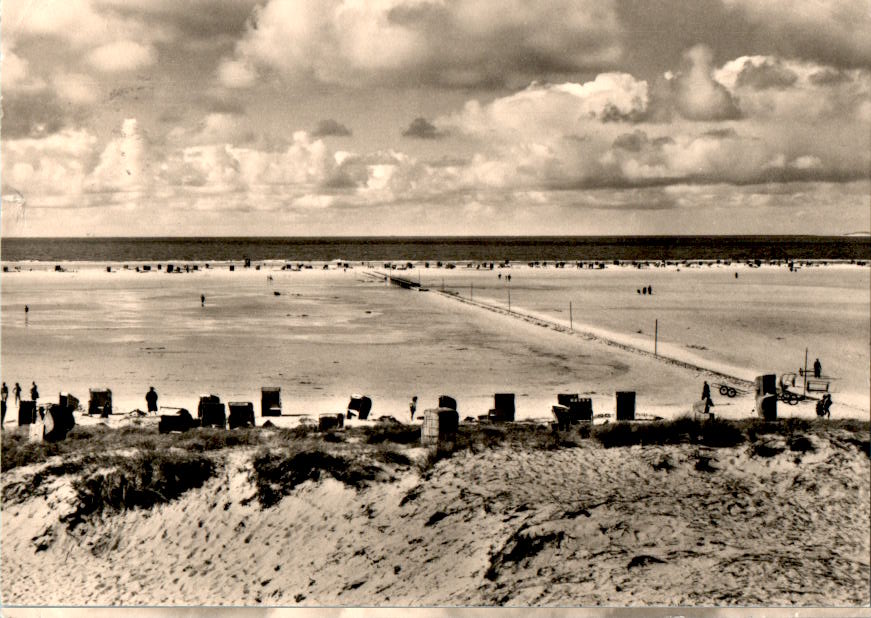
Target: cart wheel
{"x":793,"y":399}
{"x":732,"y":392}
{"x":724,"y":390}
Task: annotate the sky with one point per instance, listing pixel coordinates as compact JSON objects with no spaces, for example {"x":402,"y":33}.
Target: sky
{"x":434,"y":117}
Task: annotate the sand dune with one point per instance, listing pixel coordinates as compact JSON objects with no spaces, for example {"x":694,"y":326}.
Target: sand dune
{"x":575,"y":526}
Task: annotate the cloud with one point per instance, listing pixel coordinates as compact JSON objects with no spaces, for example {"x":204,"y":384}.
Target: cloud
{"x":331,"y":127}
{"x":697,"y":95}
{"x":457,"y":44}
{"x":830,"y":32}
{"x":122,"y":56}
{"x":122,"y":164}
{"x":421,"y":128}
{"x":790,"y":91}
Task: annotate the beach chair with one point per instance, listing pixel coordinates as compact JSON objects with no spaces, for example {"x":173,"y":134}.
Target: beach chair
{"x":447,"y":402}
{"x":100,"y":402}
{"x":270,"y":401}
{"x":26,"y":412}
{"x":625,"y":405}
{"x":211,"y":412}
{"x":503,"y":408}
{"x":360,"y":405}
{"x":241,"y":414}
{"x":181,"y":421}
{"x":439,"y":427}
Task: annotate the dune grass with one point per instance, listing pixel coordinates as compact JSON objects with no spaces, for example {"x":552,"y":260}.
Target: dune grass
{"x":150,"y":476}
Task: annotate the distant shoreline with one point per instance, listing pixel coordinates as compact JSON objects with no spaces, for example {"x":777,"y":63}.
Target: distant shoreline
{"x":421,"y":249}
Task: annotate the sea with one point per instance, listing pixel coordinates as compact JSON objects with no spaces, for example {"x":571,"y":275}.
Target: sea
{"x":489,"y":248}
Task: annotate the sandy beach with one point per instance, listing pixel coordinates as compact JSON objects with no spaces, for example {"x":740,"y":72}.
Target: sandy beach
{"x":776,"y":518}
{"x":323,"y":334}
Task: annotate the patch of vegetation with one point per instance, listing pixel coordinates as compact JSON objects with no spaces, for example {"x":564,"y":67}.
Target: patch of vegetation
{"x":764,"y":449}
{"x":147,"y":478}
{"x":277,"y":473}
{"x":684,"y":430}
{"x":801,"y":444}
{"x":389,"y":432}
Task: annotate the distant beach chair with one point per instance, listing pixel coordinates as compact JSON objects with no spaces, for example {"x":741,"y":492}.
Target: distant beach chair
{"x":100,"y":402}
{"x":503,"y":408}
{"x":448,"y":402}
{"x":439,"y":427}
{"x":241,"y":414}
{"x":625,"y":406}
{"x":359,"y":406}
{"x":181,"y":421}
{"x":270,"y":401}
{"x":211,"y":412}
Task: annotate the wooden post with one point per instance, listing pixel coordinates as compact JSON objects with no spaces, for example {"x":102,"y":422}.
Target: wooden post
{"x":571,"y":327}
{"x":471,"y":290}
{"x":509,"y":300}
{"x":656,"y":338}
{"x":805,"y":371}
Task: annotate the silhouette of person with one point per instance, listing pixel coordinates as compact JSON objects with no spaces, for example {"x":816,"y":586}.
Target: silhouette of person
{"x":412,"y":406}
{"x":151,"y":399}
{"x":818,"y":368}
{"x":202,"y":300}
{"x":17,"y":392}
{"x":34,"y":392}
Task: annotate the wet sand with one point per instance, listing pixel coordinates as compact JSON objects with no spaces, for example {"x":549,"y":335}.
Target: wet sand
{"x":331,"y":333}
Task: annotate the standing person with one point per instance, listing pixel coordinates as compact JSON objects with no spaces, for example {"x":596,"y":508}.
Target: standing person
{"x":202,"y":300}
{"x":151,"y":399}
{"x":818,"y":368}
{"x":26,"y":309}
{"x":706,"y":391}
{"x":4,"y":394}
{"x":412,"y":407}
{"x":34,"y":392}
{"x":17,"y":392}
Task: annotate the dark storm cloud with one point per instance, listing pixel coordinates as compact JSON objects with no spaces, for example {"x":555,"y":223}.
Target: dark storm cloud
{"x":725,"y":133}
{"x":829,"y":77}
{"x":766,"y":75}
{"x":330,"y":127}
{"x":633,"y":142}
{"x":223,"y":105}
{"x":421,"y":128}
{"x":36,"y":115}
{"x":198,"y":19}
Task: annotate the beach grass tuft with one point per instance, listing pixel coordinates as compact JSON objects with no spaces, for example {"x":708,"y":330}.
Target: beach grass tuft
{"x":150,"y":476}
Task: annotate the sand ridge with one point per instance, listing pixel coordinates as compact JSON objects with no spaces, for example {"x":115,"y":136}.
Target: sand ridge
{"x":575,"y":526}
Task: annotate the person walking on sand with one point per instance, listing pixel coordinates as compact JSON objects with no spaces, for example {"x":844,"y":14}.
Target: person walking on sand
{"x":818,"y":368}
{"x":34,"y":392}
{"x":412,"y":407}
{"x":151,"y":399}
{"x":202,"y":300}
{"x":17,"y":392}
{"x":706,"y":391}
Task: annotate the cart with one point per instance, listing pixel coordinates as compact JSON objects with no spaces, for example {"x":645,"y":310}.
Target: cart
{"x":727,"y":390}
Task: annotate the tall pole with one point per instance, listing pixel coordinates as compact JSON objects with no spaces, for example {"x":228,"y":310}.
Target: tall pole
{"x":656,"y":338}
{"x":805,"y":371}
{"x":571,"y":327}
{"x":471,"y":290}
{"x":509,"y":300}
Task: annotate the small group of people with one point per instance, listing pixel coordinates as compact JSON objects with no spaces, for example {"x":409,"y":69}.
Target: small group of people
{"x":16,"y":392}
{"x":645,"y":290}
{"x":507,"y":277}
